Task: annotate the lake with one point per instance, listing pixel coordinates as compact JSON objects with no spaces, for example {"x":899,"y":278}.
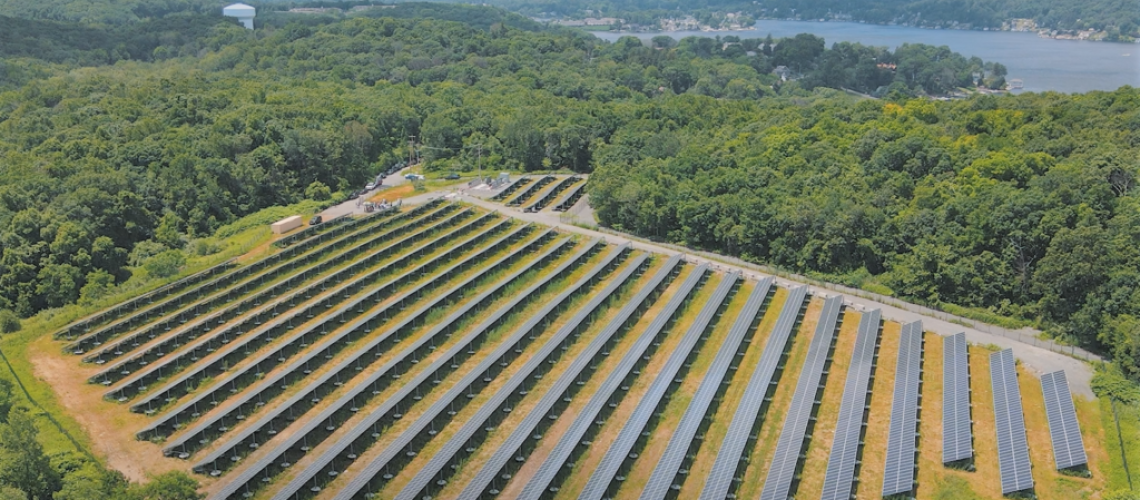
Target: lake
{"x":1042,"y":63}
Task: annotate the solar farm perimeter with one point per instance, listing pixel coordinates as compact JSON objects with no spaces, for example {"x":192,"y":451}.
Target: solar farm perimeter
{"x":443,"y":351}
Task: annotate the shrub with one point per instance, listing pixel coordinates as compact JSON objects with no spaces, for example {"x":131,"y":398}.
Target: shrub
{"x":165,"y":264}
{"x":9,"y":321}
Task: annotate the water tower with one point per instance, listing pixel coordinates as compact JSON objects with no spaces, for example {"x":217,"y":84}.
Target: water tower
{"x":242,"y":12}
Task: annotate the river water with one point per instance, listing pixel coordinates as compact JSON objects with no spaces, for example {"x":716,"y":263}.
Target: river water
{"x":1041,"y":63}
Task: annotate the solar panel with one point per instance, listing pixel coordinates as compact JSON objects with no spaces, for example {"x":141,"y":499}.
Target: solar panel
{"x":668,"y":474}
{"x":730,"y":461}
{"x":957,"y":432}
{"x":902,"y":440}
{"x":1065,"y":431}
{"x":546,"y":479}
{"x":620,"y":450}
{"x":844,"y":457}
{"x":790,"y":446}
{"x":1013,"y":448}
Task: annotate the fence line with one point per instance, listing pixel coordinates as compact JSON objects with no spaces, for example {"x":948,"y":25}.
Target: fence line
{"x":1026,"y":335}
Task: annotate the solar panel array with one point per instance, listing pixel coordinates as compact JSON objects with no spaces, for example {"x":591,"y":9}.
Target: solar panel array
{"x":790,"y":445}
{"x":667,"y":474}
{"x":1068,"y":446}
{"x":300,"y":442}
{"x":730,"y":461}
{"x":1013,"y":448}
{"x":840,"y":476}
{"x":957,"y":433}
{"x":607,"y":471}
{"x":902,"y":440}
{"x":545,"y":480}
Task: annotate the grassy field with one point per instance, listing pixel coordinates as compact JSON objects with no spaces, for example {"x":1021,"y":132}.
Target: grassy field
{"x":32,"y":355}
{"x":878,"y":423}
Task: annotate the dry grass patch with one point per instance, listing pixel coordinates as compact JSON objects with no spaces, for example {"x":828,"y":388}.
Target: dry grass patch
{"x":986,"y":480}
{"x":761,"y":457}
{"x":1049,"y":483}
{"x":827,"y":416}
{"x":870,"y":479}
{"x":930,"y":469}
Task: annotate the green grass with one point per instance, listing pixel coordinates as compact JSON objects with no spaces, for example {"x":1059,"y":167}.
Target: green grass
{"x":955,"y":488}
{"x":1129,"y":415}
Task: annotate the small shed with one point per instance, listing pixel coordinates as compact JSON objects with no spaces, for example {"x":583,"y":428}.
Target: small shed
{"x":287,"y":224}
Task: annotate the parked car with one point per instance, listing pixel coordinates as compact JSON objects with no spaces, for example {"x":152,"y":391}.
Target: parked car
{"x":316,"y":220}
{"x":452,"y":176}
{"x":370,"y":186}
{"x":369,"y":207}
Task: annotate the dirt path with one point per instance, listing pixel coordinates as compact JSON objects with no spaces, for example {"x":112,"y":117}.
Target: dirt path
{"x":110,"y":427}
{"x":1042,"y":360}
{"x":827,"y":416}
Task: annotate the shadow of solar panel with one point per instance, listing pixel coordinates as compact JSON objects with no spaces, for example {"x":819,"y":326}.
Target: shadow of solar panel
{"x":731,"y":460}
{"x":902,"y":440}
{"x":791,"y":443}
{"x":603,"y":477}
{"x":670,"y":470}
{"x":1013,"y":448}
{"x":1065,"y":431}
{"x":957,"y":434}
{"x":844,"y":457}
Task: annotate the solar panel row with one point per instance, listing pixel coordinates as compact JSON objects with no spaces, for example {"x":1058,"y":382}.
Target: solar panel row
{"x":731,"y":461}
{"x":668,"y":473}
{"x":298,"y":443}
{"x":393,"y":457}
{"x":430,"y":478}
{"x":957,"y":433}
{"x":839,"y":480}
{"x":561,"y":393}
{"x":270,"y":386}
{"x":621,"y":450}
{"x":544,"y":484}
{"x":902,"y":440}
{"x":791,"y":443}
{"x":1013,"y":448}
{"x":1065,"y":431}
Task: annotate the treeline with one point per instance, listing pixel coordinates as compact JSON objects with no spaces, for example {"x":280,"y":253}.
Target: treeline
{"x":1023,"y":206}
{"x":110,"y":172}
{"x":27,"y":472}
{"x":1118,"y":17}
